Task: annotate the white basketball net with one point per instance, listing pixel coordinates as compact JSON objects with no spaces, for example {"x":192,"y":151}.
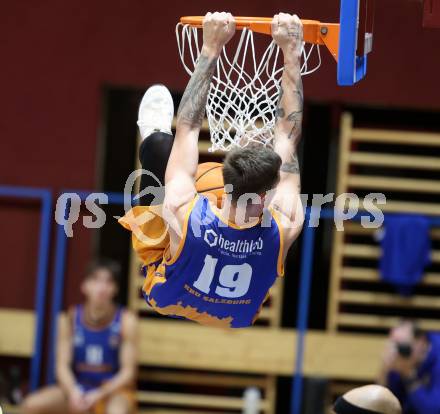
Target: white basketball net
{"x":244,"y":90}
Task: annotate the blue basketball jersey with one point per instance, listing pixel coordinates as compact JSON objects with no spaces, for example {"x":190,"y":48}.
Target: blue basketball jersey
{"x":95,"y":351}
{"x":221,"y":274}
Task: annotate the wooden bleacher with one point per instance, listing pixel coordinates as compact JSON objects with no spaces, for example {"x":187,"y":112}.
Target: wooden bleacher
{"x":174,"y":350}
{"x":358,"y":299}
{"x":18,"y":327}
{"x":257,"y":351}
{"x":16,"y":339}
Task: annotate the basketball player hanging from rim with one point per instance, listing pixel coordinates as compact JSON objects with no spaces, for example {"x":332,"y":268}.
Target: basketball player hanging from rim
{"x":216,"y":265}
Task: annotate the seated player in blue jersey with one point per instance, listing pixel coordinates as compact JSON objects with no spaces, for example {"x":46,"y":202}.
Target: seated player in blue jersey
{"x":96,"y":356}
{"x":216,"y":265}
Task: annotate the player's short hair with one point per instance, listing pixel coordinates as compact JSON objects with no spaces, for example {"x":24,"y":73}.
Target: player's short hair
{"x":254,"y":169}
{"x":113,"y":267}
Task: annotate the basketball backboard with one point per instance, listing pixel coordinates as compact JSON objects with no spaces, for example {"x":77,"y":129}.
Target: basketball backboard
{"x":355,"y":40}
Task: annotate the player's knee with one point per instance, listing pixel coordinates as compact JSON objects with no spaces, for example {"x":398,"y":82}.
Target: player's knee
{"x":160,"y":139}
{"x":156,"y":145}
{"x":118,"y":405}
{"x":30,"y":405}
{"x":118,"y":409}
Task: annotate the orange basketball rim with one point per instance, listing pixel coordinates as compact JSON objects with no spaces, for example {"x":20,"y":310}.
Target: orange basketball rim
{"x":315,"y":31}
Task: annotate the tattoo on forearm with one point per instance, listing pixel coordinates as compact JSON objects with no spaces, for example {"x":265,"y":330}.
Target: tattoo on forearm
{"x":292,"y":166}
{"x":300,"y":92}
{"x":281,"y":93}
{"x":288,"y":113}
{"x":291,"y":31}
{"x":192,"y":106}
{"x":294,"y":33}
{"x":296,"y":118}
{"x":279,"y":113}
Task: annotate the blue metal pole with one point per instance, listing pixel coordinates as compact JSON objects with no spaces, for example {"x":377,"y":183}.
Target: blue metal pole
{"x":303,"y":313}
{"x":23,"y":192}
{"x":57,"y":295}
{"x":113,"y":197}
{"x":45,"y":196}
{"x":41,"y":287}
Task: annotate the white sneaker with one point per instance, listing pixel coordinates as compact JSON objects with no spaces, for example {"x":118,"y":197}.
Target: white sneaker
{"x":156,"y":111}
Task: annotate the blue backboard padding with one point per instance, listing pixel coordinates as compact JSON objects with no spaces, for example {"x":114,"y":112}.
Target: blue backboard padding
{"x":351,"y":68}
{"x":361,"y":67}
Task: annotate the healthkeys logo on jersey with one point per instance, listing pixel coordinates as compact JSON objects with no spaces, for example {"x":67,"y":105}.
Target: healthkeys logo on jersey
{"x":236,"y":246}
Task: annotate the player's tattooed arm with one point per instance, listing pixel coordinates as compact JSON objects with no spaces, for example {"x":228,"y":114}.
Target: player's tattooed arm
{"x":291,"y":166}
{"x":289,"y":111}
{"x":287,"y":33}
{"x":192,"y":106}
{"x":218,"y":29}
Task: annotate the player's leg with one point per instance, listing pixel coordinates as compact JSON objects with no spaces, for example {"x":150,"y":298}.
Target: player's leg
{"x":120,"y":403}
{"x":49,"y":400}
{"x":156,"y":113}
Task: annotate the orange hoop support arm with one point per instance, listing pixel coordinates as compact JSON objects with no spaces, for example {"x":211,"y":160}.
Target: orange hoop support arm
{"x":314,"y":31}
